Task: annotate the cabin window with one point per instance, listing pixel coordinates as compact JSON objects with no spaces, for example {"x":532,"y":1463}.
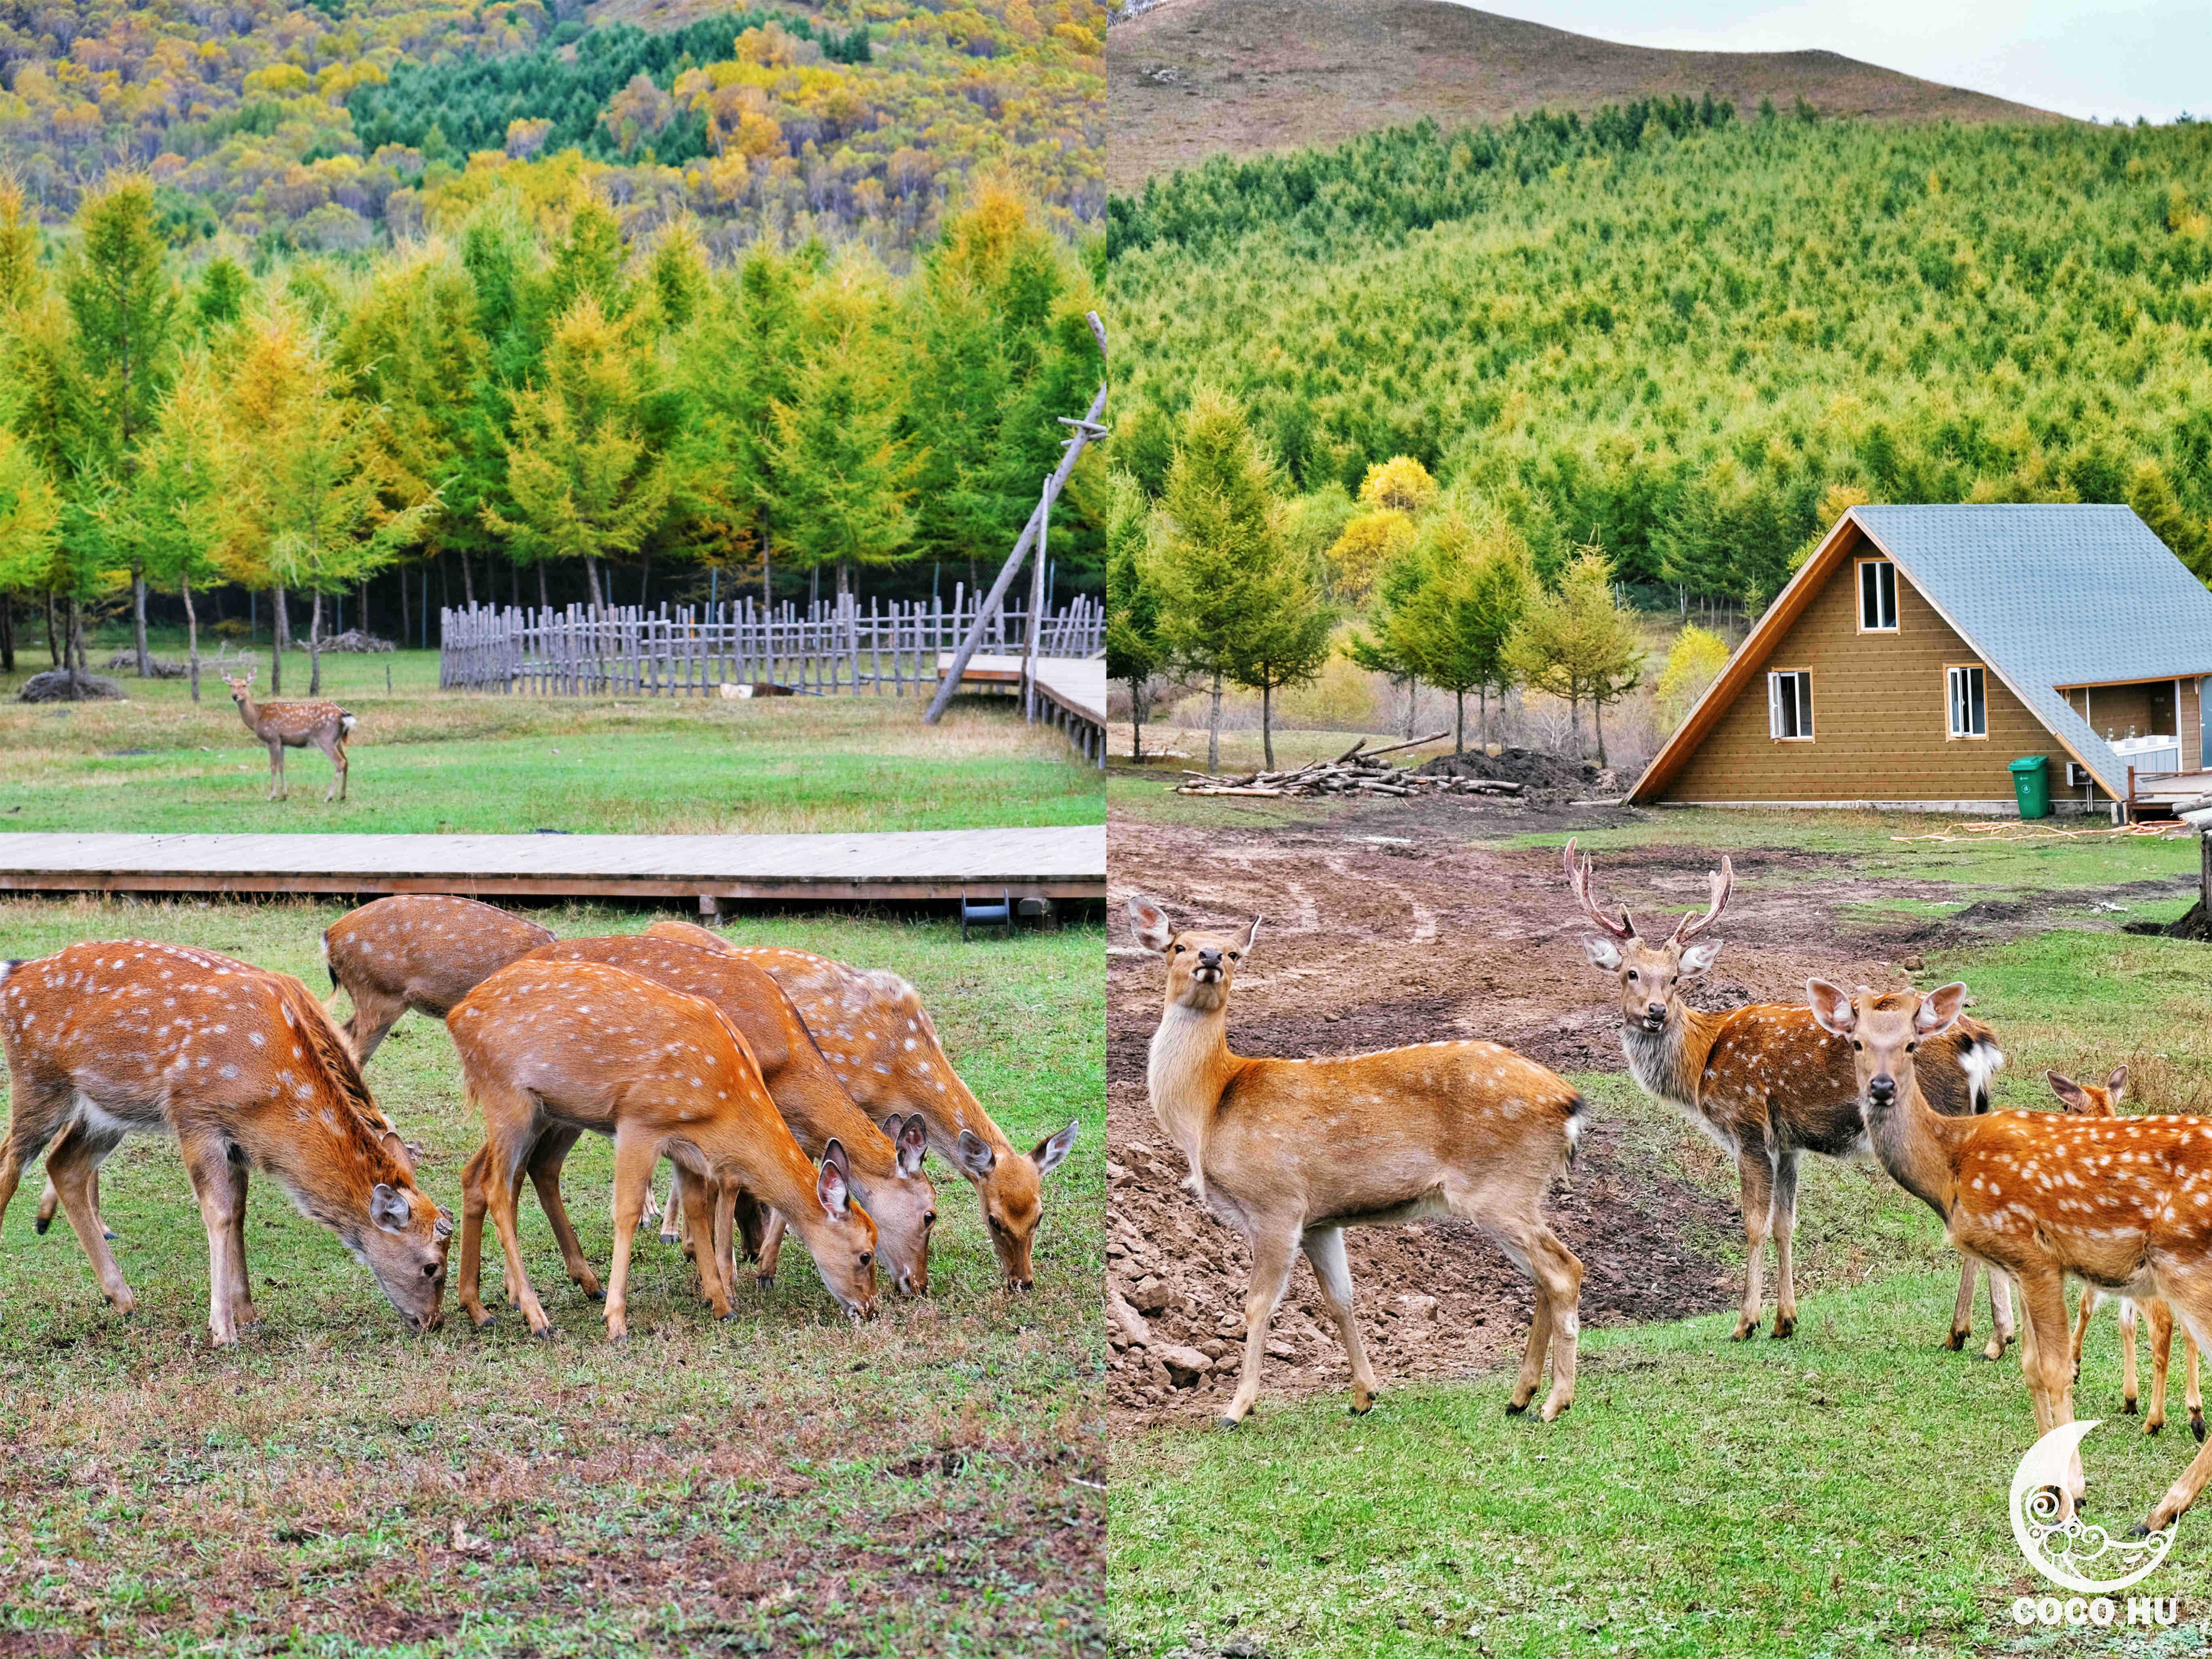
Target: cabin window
{"x":1970,"y":709}
{"x":1789,"y":706}
{"x":1877,"y":597}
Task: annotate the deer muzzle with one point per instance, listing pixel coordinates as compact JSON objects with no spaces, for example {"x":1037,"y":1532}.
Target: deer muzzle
{"x":1882,"y":1090}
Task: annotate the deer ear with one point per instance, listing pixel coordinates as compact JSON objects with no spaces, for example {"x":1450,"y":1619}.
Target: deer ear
{"x":388,"y":1208}
{"x":2117,"y":1083}
{"x":1251,"y":933}
{"x":400,"y":1151}
{"x":913,"y":1139}
{"x":831,"y":1188}
{"x":974,"y":1154}
{"x":833,"y":1154}
{"x":2068,"y":1092}
{"x":1696,"y":959}
{"x":1602,"y":953}
{"x":1940,"y":1009}
{"x":1052,"y":1151}
{"x":1153,"y":930}
{"x":1832,"y":1006}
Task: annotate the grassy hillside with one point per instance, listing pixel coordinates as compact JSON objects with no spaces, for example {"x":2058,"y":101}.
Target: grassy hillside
{"x":1193,"y":78}
{"x":1691,"y":335}
{"x":333,"y":125}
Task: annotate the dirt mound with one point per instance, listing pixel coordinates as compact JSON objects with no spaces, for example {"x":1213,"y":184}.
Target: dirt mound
{"x":1542,"y":776}
{"x":58,"y":685}
{"x":354,"y":640}
{"x":2193,"y":923}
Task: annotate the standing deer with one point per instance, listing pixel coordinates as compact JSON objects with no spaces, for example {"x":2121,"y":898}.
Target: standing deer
{"x":884,"y":1165}
{"x":1767,"y":1084}
{"x":2122,"y":1204}
{"x":284,"y":726}
{"x":879,"y":1042}
{"x":549,"y":1049}
{"x":2088,"y":1100}
{"x":1290,"y":1152}
{"x":420,"y":951}
{"x":246,"y":1070}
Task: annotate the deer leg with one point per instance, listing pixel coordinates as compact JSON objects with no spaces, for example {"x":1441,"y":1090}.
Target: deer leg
{"x":242,"y":1309}
{"x":2131,"y":1388}
{"x":704,"y":1203}
{"x":771,"y":1244}
{"x":2091,"y":1297}
{"x":1558,"y":1276}
{"x":2162,"y":1359}
{"x":501,"y":1181}
{"x":545,"y":1176}
{"x":2045,"y":1364}
{"x":1962,"y":1310}
{"x":1785,"y":1224}
{"x":2194,"y":1398}
{"x":336,"y":752}
{"x":2003,"y":1327}
{"x":468,"y":1277}
{"x":2193,"y":1315}
{"x":1324,"y":1247}
{"x":672,"y":1213}
{"x":72,"y":1166}
{"x":277,"y":771}
{"x":50,"y":1199}
{"x":723,"y":1219}
{"x":1755,"y":1171}
{"x":1271,"y":1273}
{"x":207,"y":1161}
{"x":635,"y":1158}
{"x":374,"y":1013}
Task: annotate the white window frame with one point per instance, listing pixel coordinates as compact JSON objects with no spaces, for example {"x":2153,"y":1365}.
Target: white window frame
{"x":1800,"y":695}
{"x":1880,"y":582}
{"x":1956,"y":676}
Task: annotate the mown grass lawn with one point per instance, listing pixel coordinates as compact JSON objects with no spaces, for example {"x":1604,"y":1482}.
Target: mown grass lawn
{"x":1842,"y":1493}
{"x":929,"y":1483}
{"x":426,"y":761}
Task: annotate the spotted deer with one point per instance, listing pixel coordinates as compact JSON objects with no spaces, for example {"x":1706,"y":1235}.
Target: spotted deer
{"x":284,"y":726}
{"x":884,"y":1164}
{"x":1767,"y":1084}
{"x":1291,"y":1152}
{"x":420,"y":951}
{"x":551,"y":1049}
{"x":2123,"y":1203}
{"x":2091,"y":1100}
{"x":870,"y":1026}
{"x":244,"y":1068}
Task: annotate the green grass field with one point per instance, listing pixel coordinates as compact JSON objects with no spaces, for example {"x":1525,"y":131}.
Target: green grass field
{"x":929,"y":1483}
{"x":1843,"y":1493}
{"x":426,"y":761}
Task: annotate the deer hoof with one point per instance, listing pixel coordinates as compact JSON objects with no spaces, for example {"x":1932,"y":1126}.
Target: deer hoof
{"x":2152,"y":1428}
{"x":543,"y":1333}
{"x":108,"y":1233}
{"x":485,"y":1323}
{"x":2139,"y":1530}
{"x":1744,"y":1334}
{"x":1957,"y":1340}
{"x":1551,"y":1416}
{"x":40,"y":1225}
{"x":1784,"y":1329}
{"x":1514,"y":1410}
{"x":596,"y":1295}
{"x":2197,"y":1427}
{"x":2129,"y":1406}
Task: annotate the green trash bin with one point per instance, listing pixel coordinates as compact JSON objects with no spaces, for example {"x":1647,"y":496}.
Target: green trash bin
{"x":2031,"y":785}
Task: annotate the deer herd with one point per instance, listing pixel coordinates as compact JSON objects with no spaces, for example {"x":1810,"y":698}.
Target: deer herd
{"x":788,"y":1092}
{"x":1290,"y":1152}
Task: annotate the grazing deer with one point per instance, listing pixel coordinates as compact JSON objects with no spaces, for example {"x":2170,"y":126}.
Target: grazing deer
{"x":1767,"y":1084}
{"x":420,"y":951}
{"x":881,"y":1046}
{"x":1290,"y":1152}
{"x":2122,"y":1204}
{"x":246,"y":1070}
{"x":2088,"y":1100}
{"x":553,"y":1048}
{"x":284,"y":726}
{"x":885,"y":1165}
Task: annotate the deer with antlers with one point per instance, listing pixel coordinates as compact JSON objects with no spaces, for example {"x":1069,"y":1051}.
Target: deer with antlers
{"x":2122,"y":1204}
{"x":284,"y":726}
{"x":1768,"y":1084}
{"x":551,"y":1049}
{"x":1291,"y":1152}
{"x":882,"y":1047}
{"x":244,"y":1068}
{"x":420,"y":951}
{"x":2093,"y":1100}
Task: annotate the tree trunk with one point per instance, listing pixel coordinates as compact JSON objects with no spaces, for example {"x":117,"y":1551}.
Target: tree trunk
{"x":7,"y":633}
{"x":280,"y":622}
{"x":645,"y":583}
{"x":192,"y":638}
{"x":1574,"y":727}
{"x":54,"y":638}
{"x":406,"y":630}
{"x":813,"y":587}
{"x":845,"y":584}
{"x":1597,"y":724}
{"x":315,"y":647}
{"x":1482,"y":715}
{"x":592,"y":574}
{"x":1213,"y":727}
{"x":1137,"y":719}
{"x":138,"y":622}
{"x":72,"y":649}
{"x":1459,"y":720}
{"x":468,"y":581}
{"x":1267,"y":724}
{"x":1413,"y":688}
{"x":544,"y":592}
{"x":768,"y":573}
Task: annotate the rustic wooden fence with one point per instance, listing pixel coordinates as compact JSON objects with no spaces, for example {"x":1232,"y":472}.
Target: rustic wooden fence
{"x":695,"y":650}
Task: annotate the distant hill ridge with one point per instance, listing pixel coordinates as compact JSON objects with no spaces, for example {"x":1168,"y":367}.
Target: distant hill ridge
{"x":1186,"y":79}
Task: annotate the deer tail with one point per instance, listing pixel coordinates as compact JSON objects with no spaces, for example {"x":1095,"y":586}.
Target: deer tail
{"x":1981,"y":1060}
{"x":1576,"y":1108}
{"x":347,"y":722}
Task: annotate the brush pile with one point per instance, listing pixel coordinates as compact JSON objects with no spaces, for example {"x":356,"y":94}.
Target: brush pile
{"x":1352,"y":773}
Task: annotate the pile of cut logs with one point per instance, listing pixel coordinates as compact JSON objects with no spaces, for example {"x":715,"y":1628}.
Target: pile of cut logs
{"x":1357,"y":771}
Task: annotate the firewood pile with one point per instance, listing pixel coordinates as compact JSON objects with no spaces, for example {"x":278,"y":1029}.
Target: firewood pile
{"x":1356,"y":771}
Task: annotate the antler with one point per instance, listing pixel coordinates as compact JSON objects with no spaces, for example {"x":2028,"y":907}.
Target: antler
{"x":1578,"y":879}
{"x":1724,"y":880}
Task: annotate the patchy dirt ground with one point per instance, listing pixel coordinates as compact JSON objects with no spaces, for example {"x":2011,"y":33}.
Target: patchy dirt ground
{"x":1385,"y":927}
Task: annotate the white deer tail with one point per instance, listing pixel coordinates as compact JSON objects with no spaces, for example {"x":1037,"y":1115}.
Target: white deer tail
{"x":347,"y":722}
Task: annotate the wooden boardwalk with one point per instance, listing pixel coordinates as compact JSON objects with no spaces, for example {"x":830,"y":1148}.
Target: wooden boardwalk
{"x":1074,"y":688}
{"x":1066,"y":864}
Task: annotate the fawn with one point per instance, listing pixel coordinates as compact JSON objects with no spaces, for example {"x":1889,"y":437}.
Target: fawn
{"x":2089,"y":1100}
{"x":2122,"y":1204}
{"x":1290,"y":1152}
{"x":246,"y":1070}
{"x":284,"y":726}
{"x":1767,"y":1084}
{"x":881,"y":1045}
{"x":420,"y":951}
{"x":549,"y":1049}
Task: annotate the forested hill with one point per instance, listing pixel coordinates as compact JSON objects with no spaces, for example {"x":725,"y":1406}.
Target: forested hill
{"x":337,"y":124}
{"x":1189,"y":79}
{"x":1691,"y":336}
